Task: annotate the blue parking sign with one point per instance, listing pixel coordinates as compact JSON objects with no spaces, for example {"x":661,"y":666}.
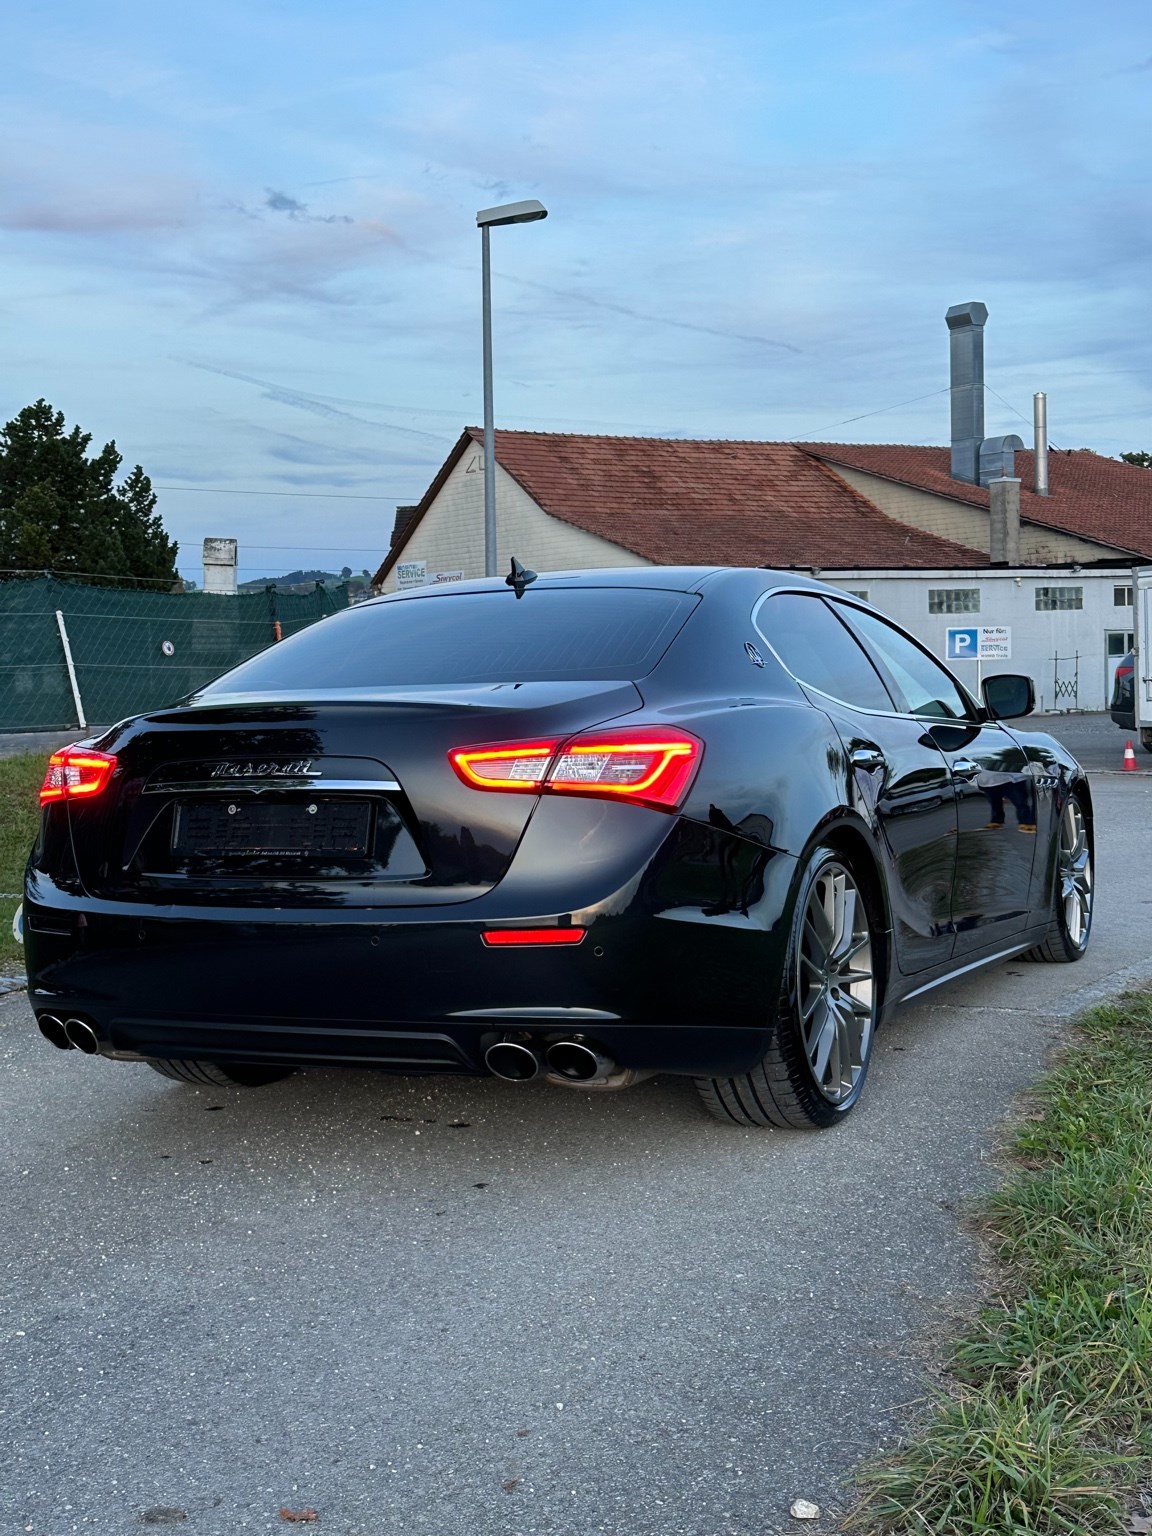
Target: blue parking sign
{"x":963,"y":645}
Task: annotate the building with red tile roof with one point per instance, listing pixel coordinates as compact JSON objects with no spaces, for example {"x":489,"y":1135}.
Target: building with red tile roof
{"x":1097,"y":508}
{"x":659,"y":501}
{"x":889,"y":522}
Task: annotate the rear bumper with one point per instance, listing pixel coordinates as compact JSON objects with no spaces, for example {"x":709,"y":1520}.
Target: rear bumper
{"x":658,"y":983}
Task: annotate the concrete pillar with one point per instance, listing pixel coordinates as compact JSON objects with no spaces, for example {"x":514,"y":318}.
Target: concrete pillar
{"x":220,"y":566}
{"x":1004,"y":521}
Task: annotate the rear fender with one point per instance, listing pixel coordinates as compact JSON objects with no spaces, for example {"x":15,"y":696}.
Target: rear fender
{"x":772,"y":771}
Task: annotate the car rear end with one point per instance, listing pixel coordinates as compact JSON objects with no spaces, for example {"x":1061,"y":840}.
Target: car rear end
{"x":414,"y":831}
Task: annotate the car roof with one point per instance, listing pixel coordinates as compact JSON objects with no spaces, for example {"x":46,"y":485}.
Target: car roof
{"x":667,"y":578}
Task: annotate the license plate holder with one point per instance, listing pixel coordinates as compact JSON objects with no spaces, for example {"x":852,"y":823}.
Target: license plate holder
{"x":241,"y":828}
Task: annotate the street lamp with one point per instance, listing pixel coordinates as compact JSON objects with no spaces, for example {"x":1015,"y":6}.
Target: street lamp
{"x":508,"y":213}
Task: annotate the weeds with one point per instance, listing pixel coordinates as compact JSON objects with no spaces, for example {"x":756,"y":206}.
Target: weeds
{"x":1048,"y":1429}
{"x":20,"y":779}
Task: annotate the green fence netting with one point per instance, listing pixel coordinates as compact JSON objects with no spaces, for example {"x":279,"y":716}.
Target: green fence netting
{"x":132,"y":651}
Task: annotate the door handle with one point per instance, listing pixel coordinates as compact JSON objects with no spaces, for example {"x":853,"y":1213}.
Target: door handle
{"x":868,"y":758}
{"x":964,"y":768}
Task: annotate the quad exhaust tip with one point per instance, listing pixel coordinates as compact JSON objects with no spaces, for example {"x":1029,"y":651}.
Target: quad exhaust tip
{"x":53,"y":1029}
{"x":82,"y":1036}
{"x":514,"y":1063}
{"x":577,"y":1062}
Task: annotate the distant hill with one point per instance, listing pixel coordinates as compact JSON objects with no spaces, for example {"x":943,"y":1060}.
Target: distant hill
{"x":305,"y":581}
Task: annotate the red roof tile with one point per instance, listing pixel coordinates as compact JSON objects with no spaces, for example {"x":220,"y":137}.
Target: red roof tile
{"x":677,"y":502}
{"x":1090,"y":496}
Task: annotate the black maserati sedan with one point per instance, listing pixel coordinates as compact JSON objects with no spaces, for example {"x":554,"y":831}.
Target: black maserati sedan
{"x":590,"y":826}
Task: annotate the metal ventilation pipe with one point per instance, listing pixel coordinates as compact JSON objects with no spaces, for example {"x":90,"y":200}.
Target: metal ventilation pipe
{"x":1040,"y":431}
{"x":966,"y":375}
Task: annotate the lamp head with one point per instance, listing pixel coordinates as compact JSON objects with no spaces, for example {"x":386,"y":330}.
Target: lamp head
{"x":512,"y":213}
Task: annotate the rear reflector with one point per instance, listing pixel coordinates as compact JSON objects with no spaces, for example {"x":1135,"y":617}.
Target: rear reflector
{"x":498,"y":938}
{"x":646,"y":765}
{"x":76,"y":773}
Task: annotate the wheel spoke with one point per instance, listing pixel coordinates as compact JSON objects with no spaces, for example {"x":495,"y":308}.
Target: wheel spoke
{"x":857,"y":1006}
{"x":846,"y":932}
{"x":832,"y":1082}
{"x":809,"y":1006}
{"x":822,"y":1046}
{"x":820,"y":923}
{"x":814,"y":970}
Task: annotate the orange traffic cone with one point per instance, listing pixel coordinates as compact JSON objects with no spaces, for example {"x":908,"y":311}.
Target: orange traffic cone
{"x":1129,"y":758}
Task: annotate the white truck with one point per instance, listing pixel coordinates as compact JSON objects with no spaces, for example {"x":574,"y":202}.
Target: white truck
{"x":1142,"y":650}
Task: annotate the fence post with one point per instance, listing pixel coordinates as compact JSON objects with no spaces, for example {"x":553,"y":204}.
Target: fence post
{"x":80,"y":720}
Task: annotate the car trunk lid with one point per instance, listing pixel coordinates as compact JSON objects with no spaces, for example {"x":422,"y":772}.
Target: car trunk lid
{"x":345,"y":798}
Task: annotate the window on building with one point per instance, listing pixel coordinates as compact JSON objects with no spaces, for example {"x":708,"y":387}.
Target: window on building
{"x":1051,"y":599}
{"x":860,"y":592}
{"x":953,"y":599}
{"x":1121,"y":597}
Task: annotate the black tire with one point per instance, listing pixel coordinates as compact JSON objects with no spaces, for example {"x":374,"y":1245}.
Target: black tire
{"x":791,"y":1088}
{"x":1072,"y":893}
{"x":1146,"y":737}
{"x":236,"y":1074}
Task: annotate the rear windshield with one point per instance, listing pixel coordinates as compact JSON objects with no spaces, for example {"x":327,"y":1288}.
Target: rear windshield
{"x":473,"y":637}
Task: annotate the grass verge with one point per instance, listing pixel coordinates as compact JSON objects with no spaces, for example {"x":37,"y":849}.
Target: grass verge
{"x":20,"y":779}
{"x":1048,"y":1427}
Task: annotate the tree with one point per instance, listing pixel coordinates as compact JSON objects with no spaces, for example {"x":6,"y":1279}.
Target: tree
{"x":1141,"y":460}
{"x":61,"y":509}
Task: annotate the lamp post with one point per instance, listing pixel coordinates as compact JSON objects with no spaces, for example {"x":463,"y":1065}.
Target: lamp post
{"x":488,"y":218}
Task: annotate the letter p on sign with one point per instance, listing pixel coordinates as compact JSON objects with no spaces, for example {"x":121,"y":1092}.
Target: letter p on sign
{"x":963,"y":645}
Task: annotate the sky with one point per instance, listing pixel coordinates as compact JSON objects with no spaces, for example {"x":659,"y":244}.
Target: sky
{"x":240,"y":240}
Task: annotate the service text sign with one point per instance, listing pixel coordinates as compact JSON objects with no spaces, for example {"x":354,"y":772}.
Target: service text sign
{"x":980,"y":642}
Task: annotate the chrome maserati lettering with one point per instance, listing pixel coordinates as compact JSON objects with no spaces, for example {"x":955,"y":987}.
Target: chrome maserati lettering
{"x":301,"y":769}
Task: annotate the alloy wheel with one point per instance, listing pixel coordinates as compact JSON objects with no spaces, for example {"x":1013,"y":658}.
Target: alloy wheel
{"x":835,"y":983}
{"x":1074,"y":873}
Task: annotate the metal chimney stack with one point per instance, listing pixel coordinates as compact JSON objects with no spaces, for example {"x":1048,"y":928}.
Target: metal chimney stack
{"x":1040,"y":430}
{"x":966,"y":346}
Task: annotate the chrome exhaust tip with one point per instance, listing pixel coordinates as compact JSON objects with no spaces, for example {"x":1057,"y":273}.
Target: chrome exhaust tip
{"x":514,"y":1063}
{"x":53,"y":1029}
{"x":579,"y":1063}
{"x":82,"y":1036}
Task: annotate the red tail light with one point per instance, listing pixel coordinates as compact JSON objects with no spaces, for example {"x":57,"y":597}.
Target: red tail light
{"x":497,"y":938}
{"x":647,"y":765}
{"x":517,"y":767}
{"x":76,"y":773}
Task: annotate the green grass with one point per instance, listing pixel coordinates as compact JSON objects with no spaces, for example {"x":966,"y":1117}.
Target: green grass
{"x":20,"y":779}
{"x":1048,"y":1425}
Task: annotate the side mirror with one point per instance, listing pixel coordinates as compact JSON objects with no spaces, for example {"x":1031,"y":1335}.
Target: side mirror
{"x":1008,"y":696}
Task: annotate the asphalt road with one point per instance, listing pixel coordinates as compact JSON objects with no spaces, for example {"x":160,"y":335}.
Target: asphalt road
{"x":1094,"y":739}
{"x":456,"y":1306}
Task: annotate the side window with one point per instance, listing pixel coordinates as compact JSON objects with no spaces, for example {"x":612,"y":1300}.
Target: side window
{"x":816,"y":648}
{"x":927,"y":688}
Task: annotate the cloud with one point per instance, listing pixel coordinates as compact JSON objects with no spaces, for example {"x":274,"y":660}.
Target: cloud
{"x":647,"y":317}
{"x":280,"y":202}
{"x":313,"y":404}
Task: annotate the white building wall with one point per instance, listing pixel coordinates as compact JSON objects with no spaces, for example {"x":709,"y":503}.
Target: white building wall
{"x":1009,"y":597}
{"x":450,"y":536}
